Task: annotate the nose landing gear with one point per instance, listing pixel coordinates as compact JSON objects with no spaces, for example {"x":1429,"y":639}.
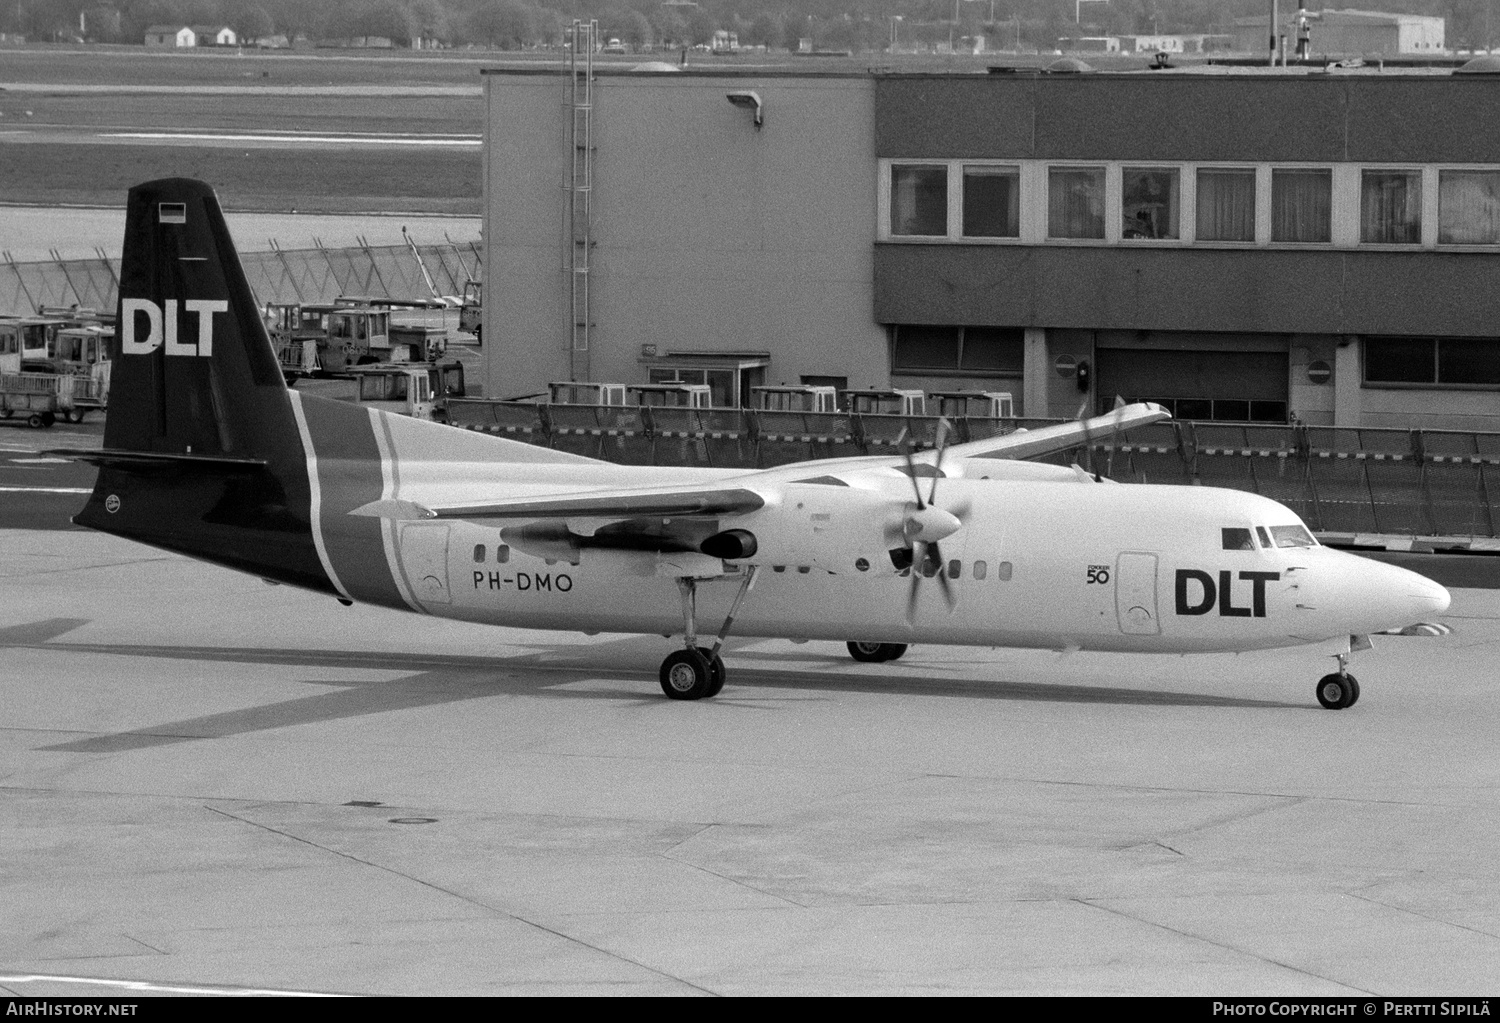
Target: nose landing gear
{"x":697,"y":672}
{"x":1340,"y":689}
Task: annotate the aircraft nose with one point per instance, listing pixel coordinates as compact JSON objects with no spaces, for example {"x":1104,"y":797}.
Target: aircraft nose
{"x":1427,"y":597}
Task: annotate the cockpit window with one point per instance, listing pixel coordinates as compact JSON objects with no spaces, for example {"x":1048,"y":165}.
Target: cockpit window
{"x":1293,"y":536}
{"x":1265,"y":538}
{"x":1237,"y":538}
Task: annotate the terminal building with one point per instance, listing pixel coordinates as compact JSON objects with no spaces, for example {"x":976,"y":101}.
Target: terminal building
{"x":1240,"y":244}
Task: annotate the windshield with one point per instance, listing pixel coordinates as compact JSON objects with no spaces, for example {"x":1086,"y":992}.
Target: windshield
{"x":1292,"y":536}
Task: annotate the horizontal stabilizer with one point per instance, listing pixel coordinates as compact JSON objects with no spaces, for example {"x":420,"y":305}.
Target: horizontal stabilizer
{"x":161,"y":459}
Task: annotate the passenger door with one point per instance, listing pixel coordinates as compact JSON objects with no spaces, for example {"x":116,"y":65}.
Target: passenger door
{"x":1135,"y":594}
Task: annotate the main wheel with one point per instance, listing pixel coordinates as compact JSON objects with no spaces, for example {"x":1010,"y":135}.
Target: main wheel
{"x":875,"y":653}
{"x":715,"y":671}
{"x":686,"y":675}
{"x":1335,"y":691}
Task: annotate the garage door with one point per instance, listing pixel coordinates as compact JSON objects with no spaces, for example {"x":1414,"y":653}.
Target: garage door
{"x":1223,"y":385}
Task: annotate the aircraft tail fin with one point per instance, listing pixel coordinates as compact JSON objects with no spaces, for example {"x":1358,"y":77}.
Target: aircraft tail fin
{"x":203,"y":452}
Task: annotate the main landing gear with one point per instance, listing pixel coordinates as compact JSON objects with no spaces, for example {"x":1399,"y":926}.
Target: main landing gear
{"x":1340,"y":689}
{"x":696,"y":672}
{"x":875,"y":653}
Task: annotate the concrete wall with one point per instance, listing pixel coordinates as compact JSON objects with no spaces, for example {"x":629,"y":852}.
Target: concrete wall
{"x":1256,"y":118}
{"x":710,"y":235}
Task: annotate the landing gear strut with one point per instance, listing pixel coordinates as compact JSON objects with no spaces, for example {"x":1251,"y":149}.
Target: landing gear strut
{"x":1340,"y":689}
{"x":696,"y":672}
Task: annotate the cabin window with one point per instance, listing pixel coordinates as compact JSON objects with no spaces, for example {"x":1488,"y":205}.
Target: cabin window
{"x":479,"y":554}
{"x":981,"y":569}
{"x":1237,"y":538}
{"x":502,"y":554}
{"x":1293,"y":536}
{"x":1002,"y":571}
{"x":955,"y":568}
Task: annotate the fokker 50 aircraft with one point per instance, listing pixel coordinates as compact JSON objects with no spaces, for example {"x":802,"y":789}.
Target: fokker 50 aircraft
{"x":206,"y":452}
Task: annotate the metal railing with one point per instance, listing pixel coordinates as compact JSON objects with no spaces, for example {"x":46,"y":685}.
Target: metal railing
{"x":278,"y":275}
{"x":1399,"y":482}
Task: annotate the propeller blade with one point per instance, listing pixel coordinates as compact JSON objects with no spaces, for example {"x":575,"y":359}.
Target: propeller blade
{"x":942,"y":577}
{"x":942,"y":444}
{"x":911,"y":470}
{"x":912,"y":591}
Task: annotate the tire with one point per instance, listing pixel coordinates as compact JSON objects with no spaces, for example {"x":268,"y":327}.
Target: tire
{"x":6,"y":413}
{"x":686,"y":675}
{"x":876,"y":653}
{"x":1353,"y":689}
{"x":716,"y":672}
{"x":35,"y":421}
{"x":1335,"y":691}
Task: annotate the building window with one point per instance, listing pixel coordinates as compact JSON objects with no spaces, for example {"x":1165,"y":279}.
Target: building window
{"x":1075,"y":202}
{"x":919,"y":200}
{"x":1226,"y":204}
{"x":1390,"y":207}
{"x":1149,"y":202}
{"x":987,"y":351}
{"x":1442,"y":361}
{"x":1301,"y":205}
{"x":992,"y":202}
{"x":1469,"y":207}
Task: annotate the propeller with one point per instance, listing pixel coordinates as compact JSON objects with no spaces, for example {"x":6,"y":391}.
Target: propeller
{"x":925,"y":528}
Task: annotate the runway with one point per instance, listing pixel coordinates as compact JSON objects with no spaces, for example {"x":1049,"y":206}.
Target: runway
{"x":211,"y":784}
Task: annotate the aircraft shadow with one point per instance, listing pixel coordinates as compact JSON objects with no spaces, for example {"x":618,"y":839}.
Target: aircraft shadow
{"x":436,"y":679}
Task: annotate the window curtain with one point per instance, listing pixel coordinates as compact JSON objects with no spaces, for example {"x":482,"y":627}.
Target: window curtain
{"x":1226,"y":205}
{"x":1075,"y":203}
{"x":1390,"y":207}
{"x":1301,"y":205}
{"x":1469,"y":207}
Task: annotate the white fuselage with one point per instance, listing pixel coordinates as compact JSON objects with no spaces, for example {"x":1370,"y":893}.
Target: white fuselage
{"x":1061,"y":565}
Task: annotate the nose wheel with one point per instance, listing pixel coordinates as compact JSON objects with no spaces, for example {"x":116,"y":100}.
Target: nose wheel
{"x":1336,"y":692}
{"x":1339,"y":689}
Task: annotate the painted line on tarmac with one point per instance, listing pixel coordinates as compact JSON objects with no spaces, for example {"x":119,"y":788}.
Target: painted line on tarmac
{"x":147,"y":987}
{"x":473,"y":141}
{"x":46,"y":490}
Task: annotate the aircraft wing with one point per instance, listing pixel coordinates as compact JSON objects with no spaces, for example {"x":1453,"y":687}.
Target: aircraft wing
{"x":1061,"y":436}
{"x":622,"y":503}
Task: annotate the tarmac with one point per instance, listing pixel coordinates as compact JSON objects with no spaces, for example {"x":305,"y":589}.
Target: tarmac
{"x":212,"y":785}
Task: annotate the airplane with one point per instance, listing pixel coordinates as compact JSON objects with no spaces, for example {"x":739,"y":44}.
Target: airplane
{"x":208,"y":453}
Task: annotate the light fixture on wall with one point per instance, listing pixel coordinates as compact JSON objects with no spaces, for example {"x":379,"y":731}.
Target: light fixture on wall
{"x":750,"y":101}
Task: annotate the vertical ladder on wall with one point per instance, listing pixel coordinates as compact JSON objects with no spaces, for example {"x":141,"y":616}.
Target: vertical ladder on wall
{"x":580,"y":194}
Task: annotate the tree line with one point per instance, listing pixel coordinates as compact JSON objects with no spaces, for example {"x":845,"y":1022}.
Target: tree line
{"x":856,"y":25}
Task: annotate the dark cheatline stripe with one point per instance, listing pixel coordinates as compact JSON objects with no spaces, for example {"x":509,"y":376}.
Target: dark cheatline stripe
{"x":349,"y":475}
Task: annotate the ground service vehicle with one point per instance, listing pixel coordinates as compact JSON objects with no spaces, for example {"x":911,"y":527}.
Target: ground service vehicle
{"x":573,"y":392}
{"x":795,"y":398}
{"x":418,"y":390}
